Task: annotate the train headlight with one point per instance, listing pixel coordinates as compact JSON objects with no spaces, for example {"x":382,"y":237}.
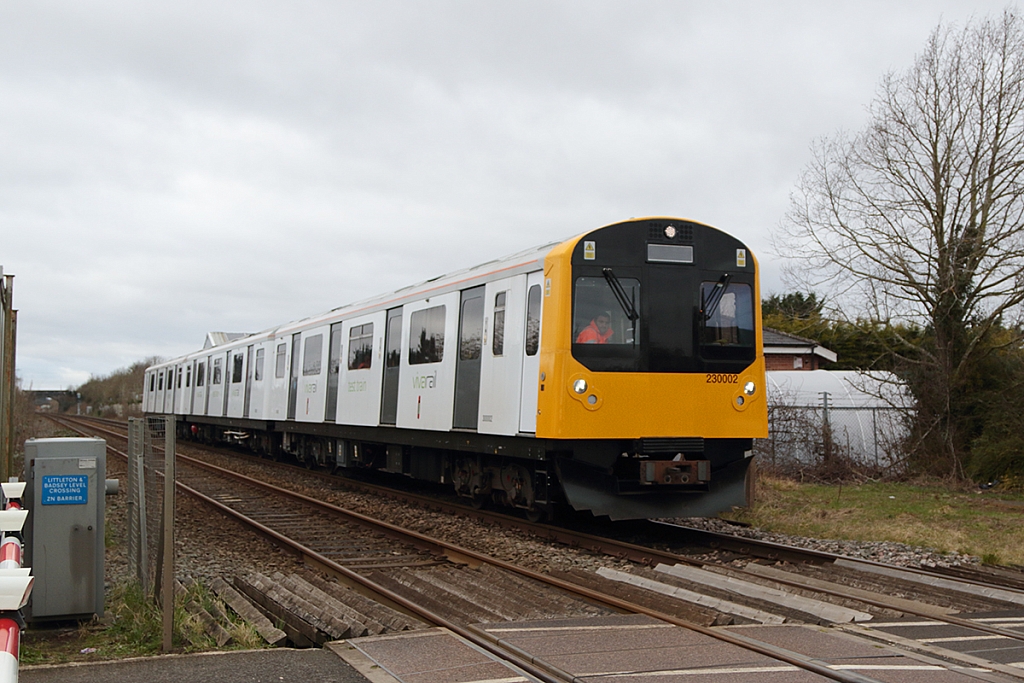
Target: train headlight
{"x":580,"y":386}
{"x":670,"y":231}
{"x":749,"y":388}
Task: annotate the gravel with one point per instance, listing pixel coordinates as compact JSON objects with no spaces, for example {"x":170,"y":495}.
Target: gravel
{"x":210,"y":544}
{"x":888,"y":552}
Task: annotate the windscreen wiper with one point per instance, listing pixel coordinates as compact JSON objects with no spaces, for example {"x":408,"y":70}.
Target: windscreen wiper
{"x":710,"y":305}
{"x":620,"y":295}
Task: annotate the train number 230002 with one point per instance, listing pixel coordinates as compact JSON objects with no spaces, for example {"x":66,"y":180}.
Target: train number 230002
{"x":721,"y":378}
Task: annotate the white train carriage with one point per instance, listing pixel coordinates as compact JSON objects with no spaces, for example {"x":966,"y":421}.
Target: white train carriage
{"x":383,"y":362}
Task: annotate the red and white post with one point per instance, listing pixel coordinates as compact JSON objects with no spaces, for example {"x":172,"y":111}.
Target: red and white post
{"x":15,"y":583}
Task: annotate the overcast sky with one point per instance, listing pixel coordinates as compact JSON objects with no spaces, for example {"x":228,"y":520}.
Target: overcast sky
{"x":170,"y":169}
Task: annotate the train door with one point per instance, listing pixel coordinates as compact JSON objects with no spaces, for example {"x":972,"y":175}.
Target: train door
{"x":248,"y":381}
{"x":258,"y":390}
{"x":212,"y":390}
{"x":333,"y":373}
{"x":169,"y":395}
{"x":293,"y":382}
{"x":179,"y":380}
{"x":226,"y":390}
{"x":160,"y":379}
{"x":531,"y":353}
{"x":501,"y":366}
{"x":179,"y":390}
{"x":278,"y":395}
{"x":199,"y":388}
{"x":467,"y":365}
{"x":392,"y":363}
{"x":190,"y":369}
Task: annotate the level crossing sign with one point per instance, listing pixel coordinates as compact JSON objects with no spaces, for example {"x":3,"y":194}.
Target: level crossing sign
{"x":65,"y":489}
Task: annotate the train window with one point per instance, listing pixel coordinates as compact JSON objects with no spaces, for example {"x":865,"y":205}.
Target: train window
{"x":179,"y":378}
{"x":217,"y":370}
{"x":200,"y":374}
{"x":311,"y":354}
{"x":152,"y":381}
{"x":498,"y":338}
{"x":360,"y":347}
{"x":188,"y":376}
{"x":259,"y":365}
{"x":606,"y":310}
{"x":161,"y":385}
{"x":281,"y":361}
{"x":471,"y":328}
{"x":533,"y":321}
{"x":728,"y":315}
{"x":236,"y":368}
{"x":426,"y":336}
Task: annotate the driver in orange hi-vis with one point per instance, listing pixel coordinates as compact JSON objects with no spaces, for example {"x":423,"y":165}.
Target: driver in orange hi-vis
{"x":598,"y":331}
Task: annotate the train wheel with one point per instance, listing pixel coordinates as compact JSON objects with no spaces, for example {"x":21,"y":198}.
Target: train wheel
{"x":534,"y":515}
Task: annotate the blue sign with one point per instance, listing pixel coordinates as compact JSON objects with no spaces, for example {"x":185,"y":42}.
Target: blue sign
{"x":65,"y":489}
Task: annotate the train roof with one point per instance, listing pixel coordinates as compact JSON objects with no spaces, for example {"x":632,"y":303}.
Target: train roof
{"x":520,"y":262}
{"x":523,"y":261}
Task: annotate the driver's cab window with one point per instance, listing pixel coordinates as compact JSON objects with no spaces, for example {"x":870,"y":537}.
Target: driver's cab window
{"x":728,"y":313}
{"x":606,"y":310}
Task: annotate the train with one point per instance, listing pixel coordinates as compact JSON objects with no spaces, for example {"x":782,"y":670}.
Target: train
{"x":619,"y":372}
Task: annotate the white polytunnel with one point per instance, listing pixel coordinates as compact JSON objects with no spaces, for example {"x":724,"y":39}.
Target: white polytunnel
{"x":865,"y":413}
{"x":845,"y":388}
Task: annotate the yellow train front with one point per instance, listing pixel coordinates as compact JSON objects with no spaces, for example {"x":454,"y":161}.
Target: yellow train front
{"x":651,"y":385}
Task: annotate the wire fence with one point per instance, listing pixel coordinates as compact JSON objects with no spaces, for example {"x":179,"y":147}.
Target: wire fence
{"x":826,"y":441}
{"x":151,"y":467}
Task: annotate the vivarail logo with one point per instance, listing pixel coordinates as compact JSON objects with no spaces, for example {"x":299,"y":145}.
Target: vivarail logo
{"x":425,"y":381}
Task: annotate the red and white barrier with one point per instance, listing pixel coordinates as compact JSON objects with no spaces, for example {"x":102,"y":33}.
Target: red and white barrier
{"x":15,"y":581}
{"x":10,"y":642}
{"x":10,"y":553}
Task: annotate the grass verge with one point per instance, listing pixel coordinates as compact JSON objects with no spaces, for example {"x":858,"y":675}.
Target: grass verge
{"x":132,"y":627}
{"x":927,"y":514}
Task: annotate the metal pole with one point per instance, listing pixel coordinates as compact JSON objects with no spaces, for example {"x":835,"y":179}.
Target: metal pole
{"x":874,"y":431}
{"x":12,"y":339}
{"x":826,"y":428}
{"x":4,"y":318}
{"x":7,"y":381}
{"x":168,"y":534}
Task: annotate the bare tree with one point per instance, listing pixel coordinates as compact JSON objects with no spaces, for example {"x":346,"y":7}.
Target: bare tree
{"x":919,"y":217}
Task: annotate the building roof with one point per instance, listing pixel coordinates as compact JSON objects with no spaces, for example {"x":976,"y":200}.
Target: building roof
{"x":218,"y":338}
{"x":778,"y":342}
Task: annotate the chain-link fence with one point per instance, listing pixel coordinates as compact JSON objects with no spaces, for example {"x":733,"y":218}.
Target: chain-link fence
{"x":826,"y":440}
{"x":151,"y":447}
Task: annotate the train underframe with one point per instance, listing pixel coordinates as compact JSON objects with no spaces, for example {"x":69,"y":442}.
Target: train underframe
{"x":620,"y":479}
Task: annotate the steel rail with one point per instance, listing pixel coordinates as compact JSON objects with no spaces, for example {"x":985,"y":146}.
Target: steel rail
{"x":353,"y":577}
{"x":547,"y":672}
{"x":635,"y":553}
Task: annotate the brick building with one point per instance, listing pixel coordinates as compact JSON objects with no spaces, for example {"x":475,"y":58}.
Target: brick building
{"x":784,"y":351}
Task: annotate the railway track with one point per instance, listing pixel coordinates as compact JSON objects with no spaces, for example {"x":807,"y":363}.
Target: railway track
{"x":392,"y":563}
